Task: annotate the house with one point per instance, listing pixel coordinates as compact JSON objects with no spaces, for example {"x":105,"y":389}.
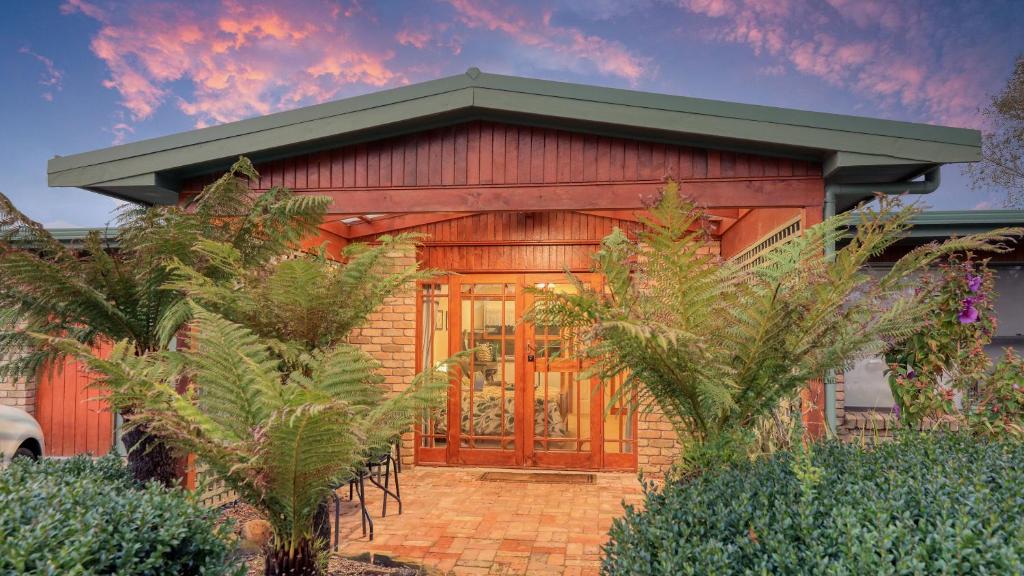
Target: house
{"x":515,"y":180}
{"x":864,"y":402}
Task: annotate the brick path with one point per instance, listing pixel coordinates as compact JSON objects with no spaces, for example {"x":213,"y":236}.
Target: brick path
{"x":459,"y":524}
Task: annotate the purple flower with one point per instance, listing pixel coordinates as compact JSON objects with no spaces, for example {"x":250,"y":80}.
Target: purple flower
{"x":973,"y":283}
{"x":910,"y":374}
{"x":969,"y":314}
{"x":896,"y":411}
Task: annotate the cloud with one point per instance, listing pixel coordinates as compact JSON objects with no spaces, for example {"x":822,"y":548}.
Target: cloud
{"x":418,"y":37}
{"x":424,"y":34}
{"x":52,"y":77}
{"x":883,"y":50}
{"x":602,"y":9}
{"x":87,"y":8}
{"x":121,"y":131}
{"x":236,"y":60}
{"x":558,"y":47}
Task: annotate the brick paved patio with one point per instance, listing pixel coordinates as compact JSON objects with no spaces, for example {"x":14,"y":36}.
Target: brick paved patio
{"x":457,"y":523}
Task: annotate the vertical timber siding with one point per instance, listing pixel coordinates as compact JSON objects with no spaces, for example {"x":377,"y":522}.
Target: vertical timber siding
{"x":73,"y":419}
{"x":495,"y":154}
{"x":516,"y":241}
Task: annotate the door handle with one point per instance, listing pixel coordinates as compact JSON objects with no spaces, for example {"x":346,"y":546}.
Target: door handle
{"x":531,"y":357}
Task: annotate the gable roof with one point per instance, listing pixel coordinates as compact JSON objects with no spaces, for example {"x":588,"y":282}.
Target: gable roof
{"x":853,"y":149}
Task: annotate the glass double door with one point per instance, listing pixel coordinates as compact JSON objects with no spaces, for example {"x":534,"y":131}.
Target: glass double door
{"x":519,"y":401}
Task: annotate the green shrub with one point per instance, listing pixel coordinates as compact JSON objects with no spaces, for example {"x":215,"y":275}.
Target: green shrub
{"x":80,"y":516}
{"x":938,"y":504}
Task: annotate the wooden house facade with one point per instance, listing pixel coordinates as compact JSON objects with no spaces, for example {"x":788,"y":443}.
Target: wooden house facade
{"x":512,"y":181}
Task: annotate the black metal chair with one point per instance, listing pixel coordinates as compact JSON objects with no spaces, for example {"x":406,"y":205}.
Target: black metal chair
{"x":384,"y":465}
{"x":374,"y":469}
{"x":364,"y":514}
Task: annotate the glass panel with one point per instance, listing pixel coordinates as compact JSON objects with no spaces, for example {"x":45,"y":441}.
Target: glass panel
{"x":433,"y":348}
{"x":618,"y":422}
{"x":561,"y":412}
{"x":488,"y":389}
{"x":562,"y":404}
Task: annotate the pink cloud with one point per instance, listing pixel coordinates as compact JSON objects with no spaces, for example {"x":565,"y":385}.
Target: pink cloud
{"x":52,"y":77}
{"x":87,"y":8}
{"x":555,"y":46}
{"x":877,"y":48}
{"x":417,"y":38}
{"x":868,"y":13}
{"x":424,"y":34}
{"x":239,"y":59}
{"x":121,"y":131}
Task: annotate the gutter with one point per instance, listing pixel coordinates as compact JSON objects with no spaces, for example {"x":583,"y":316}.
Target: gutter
{"x":834,"y":192}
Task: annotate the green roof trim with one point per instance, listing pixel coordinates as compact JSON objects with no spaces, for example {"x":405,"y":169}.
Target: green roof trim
{"x":873,"y":150}
{"x":80,"y":234}
{"x":946,"y":223}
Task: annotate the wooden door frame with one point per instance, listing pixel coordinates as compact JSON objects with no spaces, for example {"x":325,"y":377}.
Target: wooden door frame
{"x":523,"y":455}
{"x":552,"y":459}
{"x":456,"y":454}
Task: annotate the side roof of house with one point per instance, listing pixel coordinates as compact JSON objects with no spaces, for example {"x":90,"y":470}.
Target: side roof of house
{"x":851,"y":148}
{"x":938,"y":225}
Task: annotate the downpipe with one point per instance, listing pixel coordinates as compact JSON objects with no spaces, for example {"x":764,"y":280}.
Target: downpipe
{"x":833,"y":193}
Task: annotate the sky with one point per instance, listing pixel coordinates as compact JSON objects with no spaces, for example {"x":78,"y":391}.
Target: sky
{"x":87,"y":74}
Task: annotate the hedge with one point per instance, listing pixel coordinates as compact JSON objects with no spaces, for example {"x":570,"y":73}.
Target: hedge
{"x":84,"y":516}
{"x":923,"y":504}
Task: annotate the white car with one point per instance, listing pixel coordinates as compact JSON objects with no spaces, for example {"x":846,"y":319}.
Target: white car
{"x":20,"y":435}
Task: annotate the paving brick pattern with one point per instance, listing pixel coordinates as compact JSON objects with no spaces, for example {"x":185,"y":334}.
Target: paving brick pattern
{"x":459,"y":524}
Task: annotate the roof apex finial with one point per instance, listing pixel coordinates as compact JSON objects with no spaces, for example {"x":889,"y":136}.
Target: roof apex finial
{"x":473,"y":73}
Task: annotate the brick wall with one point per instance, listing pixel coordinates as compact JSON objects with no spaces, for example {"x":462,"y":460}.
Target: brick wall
{"x":840,"y":402}
{"x":20,"y":393}
{"x":657,"y":444}
{"x":871,"y":426}
{"x":390,"y":336}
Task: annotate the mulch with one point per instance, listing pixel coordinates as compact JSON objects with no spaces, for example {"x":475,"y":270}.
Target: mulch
{"x":337,"y":565}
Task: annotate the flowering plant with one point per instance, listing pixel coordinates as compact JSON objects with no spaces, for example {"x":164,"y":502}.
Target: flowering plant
{"x":997,"y":405}
{"x":942,"y":372}
{"x":928,"y":370}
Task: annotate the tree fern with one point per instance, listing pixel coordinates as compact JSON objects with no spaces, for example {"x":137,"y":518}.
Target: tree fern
{"x":717,"y":347}
{"x":119,"y":291}
{"x":280,"y":404}
{"x":281,"y":438}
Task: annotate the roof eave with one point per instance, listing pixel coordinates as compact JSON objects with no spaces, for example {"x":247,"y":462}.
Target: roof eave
{"x":148,"y":171}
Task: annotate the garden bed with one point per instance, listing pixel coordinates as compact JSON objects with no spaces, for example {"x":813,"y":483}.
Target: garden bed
{"x":338,"y":565}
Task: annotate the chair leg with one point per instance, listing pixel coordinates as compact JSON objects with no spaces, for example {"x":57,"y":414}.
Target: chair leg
{"x":387,"y":479}
{"x":337,"y":518}
{"x":362,"y":505}
{"x":398,"y":490}
{"x":365,"y":514}
{"x":398,"y":456}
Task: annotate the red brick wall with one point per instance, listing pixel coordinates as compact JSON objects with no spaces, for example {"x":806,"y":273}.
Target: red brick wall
{"x":390,"y":336}
{"x":20,"y":393}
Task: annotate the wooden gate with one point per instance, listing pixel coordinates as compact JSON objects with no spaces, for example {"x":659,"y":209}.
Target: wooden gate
{"x":73,"y":419}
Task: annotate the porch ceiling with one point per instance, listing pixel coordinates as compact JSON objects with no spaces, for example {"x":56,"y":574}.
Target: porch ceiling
{"x":354,"y":227}
{"x":870,"y":150}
